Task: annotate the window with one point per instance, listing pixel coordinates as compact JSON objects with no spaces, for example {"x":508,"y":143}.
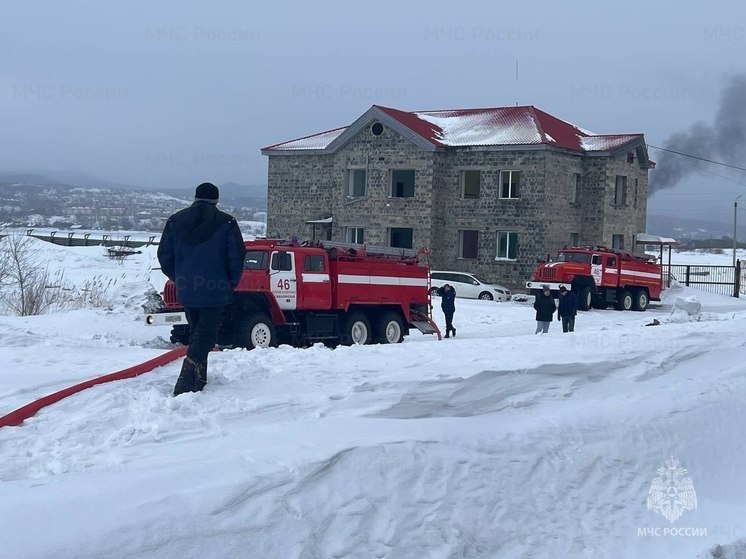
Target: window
{"x":313,"y":263}
{"x":282,"y":261}
{"x":468,"y":244}
{"x":470,"y":183}
{"x":402,"y":183}
{"x":596,"y":261}
{"x":255,"y":260}
{"x":507,"y":245}
{"x":635,"y":201}
{"x":617,"y":242}
{"x":401,"y":237}
{"x":510,"y":184}
{"x":611,"y":262}
{"x":574,"y":257}
{"x":620,"y":190}
{"x":355,"y":235}
{"x":573,"y":239}
{"x":575,"y":188}
{"x":356,"y":183}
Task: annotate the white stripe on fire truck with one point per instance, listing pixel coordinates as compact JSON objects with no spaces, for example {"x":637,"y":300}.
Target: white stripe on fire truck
{"x":641,"y":274}
{"x":382,"y":280}
{"x":315,"y":278}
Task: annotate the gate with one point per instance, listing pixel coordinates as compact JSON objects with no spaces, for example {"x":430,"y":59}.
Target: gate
{"x":725,"y":280}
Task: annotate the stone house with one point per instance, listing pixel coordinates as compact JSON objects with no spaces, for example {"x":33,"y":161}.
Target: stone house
{"x":488,"y":191}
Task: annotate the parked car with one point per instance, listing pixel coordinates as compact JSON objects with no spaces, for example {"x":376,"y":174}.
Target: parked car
{"x":470,"y":286}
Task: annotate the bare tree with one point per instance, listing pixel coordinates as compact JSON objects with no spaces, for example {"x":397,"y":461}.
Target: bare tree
{"x":26,"y":279}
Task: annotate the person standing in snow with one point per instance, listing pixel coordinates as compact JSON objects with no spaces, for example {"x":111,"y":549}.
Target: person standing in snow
{"x":448,"y":305}
{"x":567,"y":309}
{"x":544,"y":307}
{"x":202,"y":251}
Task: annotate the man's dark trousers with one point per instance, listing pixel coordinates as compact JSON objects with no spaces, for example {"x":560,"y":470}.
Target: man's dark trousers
{"x":568,"y":323}
{"x":203,"y":330}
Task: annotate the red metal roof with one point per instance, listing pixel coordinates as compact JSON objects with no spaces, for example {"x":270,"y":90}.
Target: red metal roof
{"x":501,"y":126}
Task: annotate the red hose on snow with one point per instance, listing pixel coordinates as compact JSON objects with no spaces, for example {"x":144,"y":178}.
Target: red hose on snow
{"x":18,"y":416}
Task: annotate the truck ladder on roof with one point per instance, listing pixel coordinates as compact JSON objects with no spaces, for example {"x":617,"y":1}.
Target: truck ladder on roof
{"x":372,"y":250}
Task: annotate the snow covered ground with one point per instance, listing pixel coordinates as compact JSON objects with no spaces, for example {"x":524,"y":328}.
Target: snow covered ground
{"x":494,"y":444}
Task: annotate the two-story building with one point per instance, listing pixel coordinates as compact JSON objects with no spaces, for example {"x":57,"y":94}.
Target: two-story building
{"x":488,"y":191}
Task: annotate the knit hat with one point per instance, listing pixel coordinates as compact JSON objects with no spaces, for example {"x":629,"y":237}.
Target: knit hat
{"x":207,"y":192}
{"x":562,"y":288}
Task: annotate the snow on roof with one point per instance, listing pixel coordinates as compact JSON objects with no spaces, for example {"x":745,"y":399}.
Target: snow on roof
{"x":315,"y":141}
{"x":501,"y":126}
{"x":481,"y":127}
{"x":644,"y":238}
{"x":608,"y":142}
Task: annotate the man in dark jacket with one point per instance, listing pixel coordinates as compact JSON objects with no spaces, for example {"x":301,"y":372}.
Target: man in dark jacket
{"x":202,"y":251}
{"x":448,"y":305}
{"x":544,"y":307}
{"x":567,"y":309}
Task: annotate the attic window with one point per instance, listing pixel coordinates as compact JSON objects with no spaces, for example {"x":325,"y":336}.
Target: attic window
{"x":377,"y":129}
{"x":630,"y":157}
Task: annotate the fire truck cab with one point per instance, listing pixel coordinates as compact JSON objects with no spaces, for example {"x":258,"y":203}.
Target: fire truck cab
{"x":600,"y":277}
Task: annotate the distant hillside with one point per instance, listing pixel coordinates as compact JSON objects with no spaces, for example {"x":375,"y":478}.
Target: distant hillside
{"x":679,"y":227}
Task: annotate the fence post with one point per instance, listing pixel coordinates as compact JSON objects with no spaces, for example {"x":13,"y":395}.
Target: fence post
{"x":686,"y":281}
{"x":737,"y":280}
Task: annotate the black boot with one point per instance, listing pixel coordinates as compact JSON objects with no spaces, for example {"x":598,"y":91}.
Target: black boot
{"x":454,"y":332}
{"x":201,"y":377}
{"x":187,"y":377}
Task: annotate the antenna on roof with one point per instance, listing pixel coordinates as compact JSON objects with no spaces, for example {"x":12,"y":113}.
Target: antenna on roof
{"x":516,"y":76}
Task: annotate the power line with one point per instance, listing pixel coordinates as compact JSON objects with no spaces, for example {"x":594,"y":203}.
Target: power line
{"x":699,"y":158}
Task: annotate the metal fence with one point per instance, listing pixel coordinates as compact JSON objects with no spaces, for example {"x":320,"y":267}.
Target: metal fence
{"x":725,"y":280}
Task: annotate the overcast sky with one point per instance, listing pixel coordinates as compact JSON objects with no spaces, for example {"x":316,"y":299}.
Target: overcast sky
{"x":170,"y":93}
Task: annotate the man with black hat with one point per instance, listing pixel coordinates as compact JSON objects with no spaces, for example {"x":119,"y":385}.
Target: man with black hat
{"x":567,"y":309}
{"x":202,"y":251}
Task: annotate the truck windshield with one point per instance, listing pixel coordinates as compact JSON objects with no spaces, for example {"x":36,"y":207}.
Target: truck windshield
{"x":583,"y":257}
{"x":255,"y":260}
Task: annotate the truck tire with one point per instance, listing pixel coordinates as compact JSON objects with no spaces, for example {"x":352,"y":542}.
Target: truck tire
{"x":585,"y":298}
{"x":180,"y":334}
{"x":258,"y":331}
{"x":389,"y":328}
{"x":356,"y":330}
{"x":600,"y":302}
{"x":640,"y":300}
{"x":624,"y":303}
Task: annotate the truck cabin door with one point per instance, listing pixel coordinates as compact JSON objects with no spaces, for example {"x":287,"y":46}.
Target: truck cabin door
{"x":611,"y":271}
{"x":597,"y":268}
{"x":315,"y":287}
{"x":282,"y":281}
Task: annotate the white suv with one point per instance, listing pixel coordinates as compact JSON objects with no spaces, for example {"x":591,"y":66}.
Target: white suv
{"x":470,"y":286}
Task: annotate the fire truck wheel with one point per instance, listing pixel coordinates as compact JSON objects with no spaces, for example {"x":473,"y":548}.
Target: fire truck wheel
{"x":641,"y":300}
{"x":356,"y":330}
{"x":585,"y":297}
{"x":257,"y":332}
{"x":389,"y":328}
{"x":625,"y":301}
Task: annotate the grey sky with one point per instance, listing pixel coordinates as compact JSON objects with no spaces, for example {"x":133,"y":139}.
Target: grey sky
{"x":170,"y":93}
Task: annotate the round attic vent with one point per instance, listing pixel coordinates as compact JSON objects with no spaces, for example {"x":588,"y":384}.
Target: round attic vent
{"x":377,"y":129}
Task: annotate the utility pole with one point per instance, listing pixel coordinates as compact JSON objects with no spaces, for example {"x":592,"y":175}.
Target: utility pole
{"x":735,"y":223}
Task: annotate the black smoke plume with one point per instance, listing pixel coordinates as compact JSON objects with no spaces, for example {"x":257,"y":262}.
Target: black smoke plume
{"x":723,"y":140}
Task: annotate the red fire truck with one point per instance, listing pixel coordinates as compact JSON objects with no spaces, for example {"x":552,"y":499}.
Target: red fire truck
{"x":318,"y":292}
{"x":600,"y":277}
